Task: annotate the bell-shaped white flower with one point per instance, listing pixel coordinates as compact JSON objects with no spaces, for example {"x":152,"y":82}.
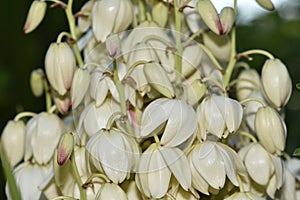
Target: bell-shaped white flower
{"x":37,"y":82}
{"x":113,"y":45}
{"x":293,"y":165}
{"x":60,"y":65}
{"x":276,"y":82}
{"x":94,"y":118}
{"x":180,"y":119}
{"x":211,"y":162}
{"x":265,"y":169}
{"x":249,"y":82}
{"x":155,"y":167}
{"x":32,"y":173}
{"x":251,"y":109}
{"x":288,"y":190}
{"x":111,"y":191}
{"x":219,"y":116}
{"x":270,"y":130}
{"x":160,"y":13}
{"x":43,"y":132}
{"x":111,"y":16}
{"x":80,"y":85}
{"x":113,"y":152}
{"x":193,"y":18}
{"x":35,"y":15}
{"x":13,"y":141}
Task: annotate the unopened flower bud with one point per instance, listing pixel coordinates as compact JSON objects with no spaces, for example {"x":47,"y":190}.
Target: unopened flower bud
{"x":160,"y":13}
{"x":65,"y":148}
{"x":13,"y":140}
{"x":35,"y":15}
{"x":267,"y":4}
{"x":62,"y":102}
{"x":244,"y":87}
{"x":270,"y":130}
{"x":219,"y":24}
{"x":60,"y":65}
{"x":37,"y":82}
{"x":158,"y":79}
{"x":113,"y":45}
{"x":80,"y":85}
{"x":276,"y":82}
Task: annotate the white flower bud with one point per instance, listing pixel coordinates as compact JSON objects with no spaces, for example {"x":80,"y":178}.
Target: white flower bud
{"x":65,"y":148}
{"x":276,"y":82}
{"x":111,"y":191}
{"x":113,"y":45}
{"x":27,"y":173}
{"x":35,"y":15}
{"x":13,"y":140}
{"x":270,"y":130}
{"x":43,"y":132}
{"x":80,"y":85}
{"x":111,"y":16}
{"x":267,"y":4}
{"x":62,"y":102}
{"x":160,"y":13}
{"x":37,"y":82}
{"x":219,"y":24}
{"x":158,"y":79}
{"x":60,"y":65}
{"x":84,"y":22}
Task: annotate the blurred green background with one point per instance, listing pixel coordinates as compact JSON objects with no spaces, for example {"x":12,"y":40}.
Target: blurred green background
{"x":21,"y":53}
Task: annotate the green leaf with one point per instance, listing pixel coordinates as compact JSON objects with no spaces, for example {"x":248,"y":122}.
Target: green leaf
{"x":297,"y":152}
{"x":15,"y":195}
{"x":298,"y":85}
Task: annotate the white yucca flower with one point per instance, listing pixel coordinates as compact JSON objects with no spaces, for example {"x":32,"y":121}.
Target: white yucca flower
{"x":29,"y":176}
{"x":211,"y":162}
{"x":249,"y":83}
{"x":288,"y":189}
{"x":219,"y":116}
{"x":155,"y":167}
{"x":80,"y":85}
{"x":43,"y":132}
{"x":244,"y":196}
{"x":94,"y":118}
{"x":114,"y":153}
{"x":111,"y":16}
{"x":265,"y":169}
{"x":293,"y":165}
{"x":131,"y":190}
{"x":13,"y":141}
{"x":85,"y":22}
{"x":178,"y":118}
{"x":35,"y":15}
{"x":251,"y":109}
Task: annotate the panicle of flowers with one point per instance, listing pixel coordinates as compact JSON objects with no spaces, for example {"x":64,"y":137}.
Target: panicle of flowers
{"x":136,"y":108}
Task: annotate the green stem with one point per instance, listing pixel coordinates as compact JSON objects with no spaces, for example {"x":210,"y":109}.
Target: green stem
{"x":216,"y":82}
{"x":257,"y":51}
{"x":61,"y":35}
{"x":47,"y":95}
{"x":246,"y":134}
{"x":52,"y":109}
{"x":178,"y":55}
{"x":77,"y":177}
{"x":14,"y":192}
{"x":156,"y":139}
{"x":159,"y":39}
{"x":111,"y":119}
{"x":232,"y":61}
{"x":211,"y":56}
{"x":193,"y":36}
{"x":133,"y":66}
{"x":23,"y":114}
{"x":122,"y":99}
{"x":72,"y":26}
{"x":244,"y":80}
{"x":101,"y":176}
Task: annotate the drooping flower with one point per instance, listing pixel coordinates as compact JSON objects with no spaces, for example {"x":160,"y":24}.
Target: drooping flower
{"x":37,"y":82}
{"x":35,"y":15}
{"x":60,"y":66}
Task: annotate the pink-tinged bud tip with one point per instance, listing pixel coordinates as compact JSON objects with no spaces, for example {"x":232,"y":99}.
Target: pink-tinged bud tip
{"x":65,"y":148}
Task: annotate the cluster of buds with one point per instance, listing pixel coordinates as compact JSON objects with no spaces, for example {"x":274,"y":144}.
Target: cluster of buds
{"x":137,"y":110}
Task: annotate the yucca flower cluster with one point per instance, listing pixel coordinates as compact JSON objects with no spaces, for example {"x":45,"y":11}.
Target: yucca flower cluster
{"x":141,"y":103}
